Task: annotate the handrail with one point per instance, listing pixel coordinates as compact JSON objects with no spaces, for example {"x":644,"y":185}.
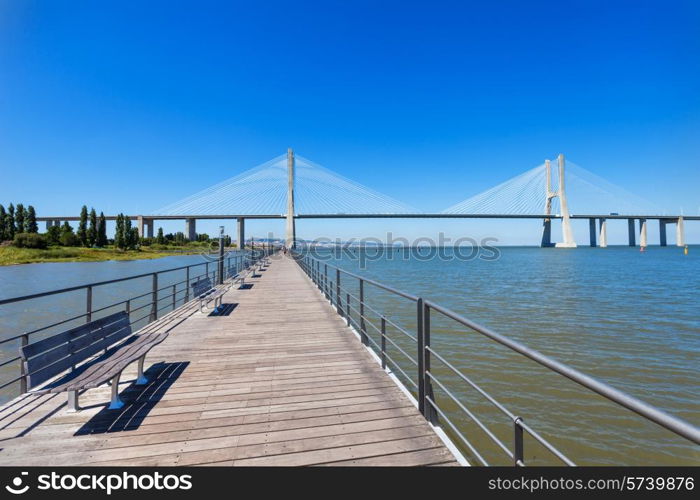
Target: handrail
{"x":674,"y":424}
{"x":239,"y":261}
{"x":106,"y":282}
{"x":330,"y":286}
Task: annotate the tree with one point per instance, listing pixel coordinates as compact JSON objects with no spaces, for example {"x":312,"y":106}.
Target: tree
{"x":68,"y":238}
{"x":10,"y":222}
{"x":30,"y":225}
{"x":92,"y":229}
{"x":53,"y":235}
{"x":30,"y":240}
{"x":3,"y":216}
{"x":133,"y":238}
{"x":19,"y":218}
{"x":129,"y":240}
{"x":119,"y":233}
{"x":102,"y":231}
{"x":82,"y":226}
{"x":160,"y":239}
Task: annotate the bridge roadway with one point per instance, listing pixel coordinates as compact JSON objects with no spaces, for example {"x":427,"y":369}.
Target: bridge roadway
{"x":276,"y":379}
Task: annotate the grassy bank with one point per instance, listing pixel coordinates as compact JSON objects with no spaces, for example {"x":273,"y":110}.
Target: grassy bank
{"x":10,"y":255}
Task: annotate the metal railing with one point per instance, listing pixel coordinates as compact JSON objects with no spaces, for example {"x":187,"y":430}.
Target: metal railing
{"x":173,"y":294}
{"x":353,"y":308}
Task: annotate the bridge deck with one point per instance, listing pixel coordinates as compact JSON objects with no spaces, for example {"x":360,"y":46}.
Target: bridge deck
{"x":277,"y":379}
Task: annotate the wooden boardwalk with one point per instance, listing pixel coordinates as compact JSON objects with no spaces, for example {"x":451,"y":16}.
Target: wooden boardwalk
{"x":277,"y":379}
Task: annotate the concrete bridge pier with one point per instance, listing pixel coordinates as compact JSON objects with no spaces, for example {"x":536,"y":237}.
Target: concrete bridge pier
{"x":642,"y":233}
{"x":662,"y":233}
{"x":52,"y":222}
{"x":680,"y":233}
{"x":567,"y":232}
{"x":592,"y":231}
{"x":630,"y":233}
{"x":241,"y":233}
{"x":191,"y":229}
{"x":291,"y":228}
{"x":547,"y":233}
{"x":603,"y":239}
{"x":145,"y":227}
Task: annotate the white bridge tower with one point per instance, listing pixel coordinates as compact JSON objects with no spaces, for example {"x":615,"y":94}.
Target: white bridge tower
{"x":567,"y":233}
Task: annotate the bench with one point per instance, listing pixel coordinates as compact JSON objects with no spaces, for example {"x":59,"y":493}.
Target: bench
{"x":77,"y":349}
{"x":203,"y":290}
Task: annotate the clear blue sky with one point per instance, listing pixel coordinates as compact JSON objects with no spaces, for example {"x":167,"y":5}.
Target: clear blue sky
{"x":129,"y":106}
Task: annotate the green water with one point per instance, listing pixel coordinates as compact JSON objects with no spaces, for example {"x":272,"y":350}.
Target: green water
{"x":628,"y":318}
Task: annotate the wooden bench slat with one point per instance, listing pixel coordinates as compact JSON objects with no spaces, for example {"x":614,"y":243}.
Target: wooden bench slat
{"x":102,"y":369}
{"x":40,"y":346}
{"x":94,"y":336}
{"x":74,"y":350}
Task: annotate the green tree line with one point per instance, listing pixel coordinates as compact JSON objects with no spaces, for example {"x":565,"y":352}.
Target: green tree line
{"x":16,"y":220}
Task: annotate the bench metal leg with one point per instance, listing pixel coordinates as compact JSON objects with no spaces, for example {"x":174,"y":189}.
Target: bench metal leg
{"x":73,"y":405}
{"x":115,"y":403}
{"x":141,"y":379}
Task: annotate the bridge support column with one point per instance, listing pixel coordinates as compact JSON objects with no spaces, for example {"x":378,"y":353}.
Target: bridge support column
{"x":149,"y":228}
{"x":630,"y":232}
{"x":662,"y":233}
{"x":642,"y":233}
{"x":191,"y":229}
{"x":603,"y":238}
{"x":546,"y":233}
{"x":140,"y":223}
{"x":241,"y":233}
{"x":567,"y":232}
{"x":592,"y":231}
{"x":680,"y":233}
{"x":291,"y":229}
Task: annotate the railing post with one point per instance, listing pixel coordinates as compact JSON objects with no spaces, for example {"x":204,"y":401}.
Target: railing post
{"x":429,"y":411}
{"x":383,"y":330}
{"x":24,"y":340}
{"x":519,"y":451}
{"x":187,"y":285}
{"x":325,"y":280}
{"x":347,"y":308}
{"x":154,"y":298}
{"x":88,"y":306}
{"x":420,"y":345}
{"x":174,"y":301}
{"x":338,"y":300}
{"x":206,"y":269}
{"x":220,"y":263}
{"x":363,"y":329}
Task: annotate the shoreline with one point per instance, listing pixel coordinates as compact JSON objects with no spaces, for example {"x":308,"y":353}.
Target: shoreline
{"x":11,"y":256}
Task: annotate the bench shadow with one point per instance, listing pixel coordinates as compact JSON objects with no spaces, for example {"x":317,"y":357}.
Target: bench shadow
{"x":138,"y":400}
{"x":246,"y":286}
{"x":224,"y":310}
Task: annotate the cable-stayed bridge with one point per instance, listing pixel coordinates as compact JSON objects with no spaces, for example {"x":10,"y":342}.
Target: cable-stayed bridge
{"x":291,"y":187}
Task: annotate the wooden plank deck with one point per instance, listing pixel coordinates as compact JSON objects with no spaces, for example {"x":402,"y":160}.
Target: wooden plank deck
{"x":278,"y":379}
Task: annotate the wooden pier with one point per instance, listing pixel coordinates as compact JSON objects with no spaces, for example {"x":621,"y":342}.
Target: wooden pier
{"x":276,"y":379}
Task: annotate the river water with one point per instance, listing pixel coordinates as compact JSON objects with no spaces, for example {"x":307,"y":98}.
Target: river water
{"x":628,"y":318}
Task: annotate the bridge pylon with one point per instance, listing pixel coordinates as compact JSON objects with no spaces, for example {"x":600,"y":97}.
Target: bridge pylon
{"x":290,"y":239}
{"x":568,"y":240}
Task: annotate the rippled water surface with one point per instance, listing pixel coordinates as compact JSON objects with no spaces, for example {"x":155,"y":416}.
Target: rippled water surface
{"x":628,"y":318}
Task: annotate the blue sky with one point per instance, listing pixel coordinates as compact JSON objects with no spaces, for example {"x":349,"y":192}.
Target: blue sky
{"x":129,"y":107}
